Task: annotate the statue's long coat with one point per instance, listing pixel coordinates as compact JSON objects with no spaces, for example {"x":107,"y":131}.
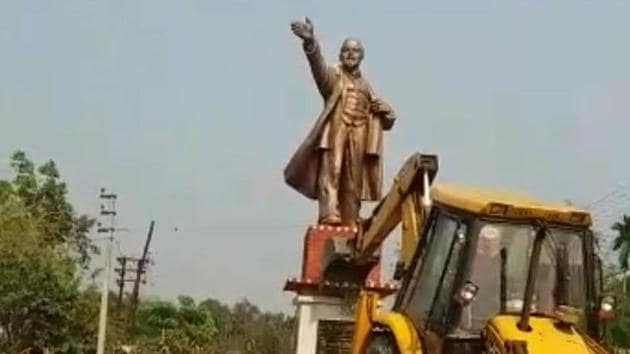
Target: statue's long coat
{"x":302,"y":170}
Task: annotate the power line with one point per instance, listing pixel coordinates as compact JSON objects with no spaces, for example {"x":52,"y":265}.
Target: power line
{"x":620,"y":187}
{"x":606,"y":210}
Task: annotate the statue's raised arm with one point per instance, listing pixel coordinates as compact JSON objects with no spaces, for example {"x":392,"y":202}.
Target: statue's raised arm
{"x":323,"y":75}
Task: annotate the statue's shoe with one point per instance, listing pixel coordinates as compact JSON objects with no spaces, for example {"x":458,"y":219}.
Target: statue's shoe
{"x":330,"y":220}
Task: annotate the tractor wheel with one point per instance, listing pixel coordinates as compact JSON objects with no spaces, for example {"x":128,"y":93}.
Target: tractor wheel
{"x":382,"y":344}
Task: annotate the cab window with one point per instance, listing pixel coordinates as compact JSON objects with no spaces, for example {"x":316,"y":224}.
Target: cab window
{"x":439,"y":316}
{"x":441,"y":237}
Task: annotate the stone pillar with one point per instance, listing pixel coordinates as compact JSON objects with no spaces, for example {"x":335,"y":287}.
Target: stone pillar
{"x":311,"y":310}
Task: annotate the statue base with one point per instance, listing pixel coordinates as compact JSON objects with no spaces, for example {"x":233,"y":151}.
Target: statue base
{"x":324,"y":301}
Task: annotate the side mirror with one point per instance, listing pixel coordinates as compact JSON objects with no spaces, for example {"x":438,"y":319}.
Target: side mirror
{"x":606,"y":310}
{"x":466,"y":294}
{"x":399,"y":271}
{"x":567,"y":314}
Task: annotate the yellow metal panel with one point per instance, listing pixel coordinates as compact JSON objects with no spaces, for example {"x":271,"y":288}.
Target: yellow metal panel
{"x":544,"y":337}
{"x":403,"y":330}
{"x":366,"y":306}
{"x":504,"y":204}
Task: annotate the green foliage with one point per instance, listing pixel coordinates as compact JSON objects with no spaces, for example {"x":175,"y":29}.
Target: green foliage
{"x":84,"y":326}
{"x":211,"y":327}
{"x":38,"y":286}
{"x":618,"y":330}
{"x":43,"y":245}
{"x":179,"y":327}
{"x":155,"y":315}
{"x":220,"y":312}
{"x":44,"y":195}
{"x":622,"y":241}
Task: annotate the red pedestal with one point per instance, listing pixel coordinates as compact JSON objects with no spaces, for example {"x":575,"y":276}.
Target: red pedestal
{"x":311,"y":280}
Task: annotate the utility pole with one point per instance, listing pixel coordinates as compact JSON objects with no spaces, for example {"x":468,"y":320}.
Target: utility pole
{"x":139,"y":272}
{"x":125,"y":274}
{"x":111,"y":212}
{"x":122,"y":271}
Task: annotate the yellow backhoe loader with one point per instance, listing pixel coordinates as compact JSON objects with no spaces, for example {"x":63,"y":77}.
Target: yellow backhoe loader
{"x":481,"y":271}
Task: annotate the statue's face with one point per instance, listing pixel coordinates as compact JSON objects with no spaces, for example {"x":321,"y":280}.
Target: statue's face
{"x":351,"y":53}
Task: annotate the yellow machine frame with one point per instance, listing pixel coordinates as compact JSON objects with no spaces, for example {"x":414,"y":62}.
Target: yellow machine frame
{"x":402,"y":205}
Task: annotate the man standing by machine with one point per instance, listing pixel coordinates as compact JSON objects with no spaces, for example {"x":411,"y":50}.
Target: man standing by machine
{"x":340,"y":161}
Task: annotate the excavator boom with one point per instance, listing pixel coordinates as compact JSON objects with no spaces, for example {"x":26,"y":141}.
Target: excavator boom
{"x":414,"y":177}
{"x":350,"y":260}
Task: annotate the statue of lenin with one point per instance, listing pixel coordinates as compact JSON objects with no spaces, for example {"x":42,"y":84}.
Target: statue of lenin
{"x":340,"y":161}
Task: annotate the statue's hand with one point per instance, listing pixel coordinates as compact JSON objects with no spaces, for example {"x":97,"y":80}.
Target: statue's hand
{"x":384,"y":112}
{"x":303,"y":30}
{"x":379,"y":106}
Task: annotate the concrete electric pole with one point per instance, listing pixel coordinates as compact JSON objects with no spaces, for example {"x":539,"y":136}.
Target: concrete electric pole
{"x":111,"y":212}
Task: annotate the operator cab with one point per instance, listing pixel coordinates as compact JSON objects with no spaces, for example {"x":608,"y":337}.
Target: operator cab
{"x":486,"y":253}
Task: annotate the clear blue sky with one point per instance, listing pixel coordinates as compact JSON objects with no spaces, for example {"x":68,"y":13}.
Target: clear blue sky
{"x":190,"y":109}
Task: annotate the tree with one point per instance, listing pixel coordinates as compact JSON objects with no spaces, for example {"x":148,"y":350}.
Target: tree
{"x":622,"y":241}
{"x":619,"y":330}
{"x":38,"y":285}
{"x":266,"y":332}
{"x":221,"y":314}
{"x":211,"y":327}
{"x":154,"y":316}
{"x":177,"y":327}
{"x":44,"y":195}
{"x":43,"y":246}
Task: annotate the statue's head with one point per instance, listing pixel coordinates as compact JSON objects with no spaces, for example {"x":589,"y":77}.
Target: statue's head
{"x":351,"y":53}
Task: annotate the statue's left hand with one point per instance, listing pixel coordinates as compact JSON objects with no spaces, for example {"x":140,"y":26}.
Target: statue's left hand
{"x":384,"y":112}
{"x":380,"y":107}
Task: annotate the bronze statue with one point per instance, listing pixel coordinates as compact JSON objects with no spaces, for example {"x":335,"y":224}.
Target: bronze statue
{"x":340,"y":161}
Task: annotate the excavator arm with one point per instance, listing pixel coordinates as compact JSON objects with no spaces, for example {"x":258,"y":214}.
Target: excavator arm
{"x":400,"y":204}
{"x":407,"y":202}
{"x":351,"y":260}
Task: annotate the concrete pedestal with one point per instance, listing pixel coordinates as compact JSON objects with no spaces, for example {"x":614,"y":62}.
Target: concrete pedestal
{"x":324,"y":316}
{"x":324,"y":325}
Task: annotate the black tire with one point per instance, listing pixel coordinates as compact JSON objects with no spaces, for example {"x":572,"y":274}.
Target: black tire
{"x":382,"y":344}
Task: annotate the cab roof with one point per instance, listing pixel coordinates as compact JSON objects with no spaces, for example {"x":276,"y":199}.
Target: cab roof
{"x":506,"y":204}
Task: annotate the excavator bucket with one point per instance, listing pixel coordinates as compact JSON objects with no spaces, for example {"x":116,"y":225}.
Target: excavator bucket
{"x":338,"y":264}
